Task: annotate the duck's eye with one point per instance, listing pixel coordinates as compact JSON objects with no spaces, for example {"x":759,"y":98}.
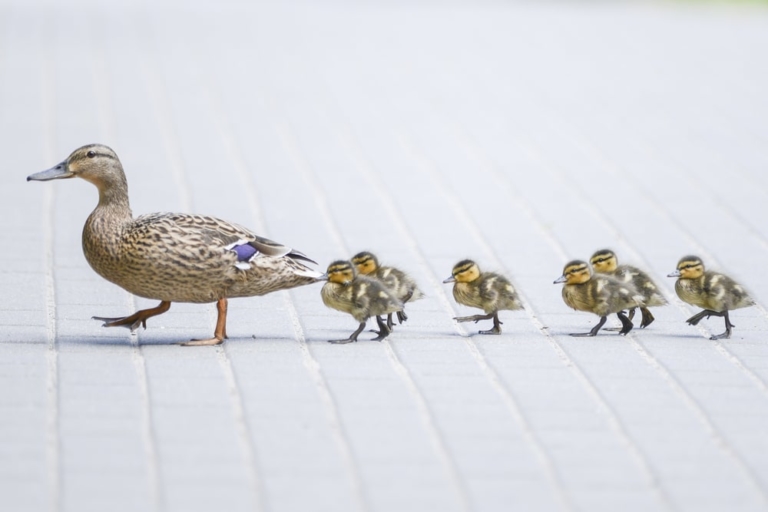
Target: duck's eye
{"x":90,"y":154}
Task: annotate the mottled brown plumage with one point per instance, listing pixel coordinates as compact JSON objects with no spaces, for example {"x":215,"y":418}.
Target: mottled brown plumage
{"x":488,"y":291}
{"x":360,"y":296}
{"x":606,"y":262}
{"x":173,"y":257}
{"x":401,"y":284}
{"x":599,"y":294}
{"x":716,"y":293}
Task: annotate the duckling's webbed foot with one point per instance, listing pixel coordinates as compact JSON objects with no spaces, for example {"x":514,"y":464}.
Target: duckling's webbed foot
{"x":137,"y":319}
{"x":647,"y":317}
{"x":728,"y":328}
{"x":352,"y":337}
{"x":401,"y":317}
{"x":473,"y":318}
{"x":594,"y":330}
{"x":384,"y":329}
{"x":496,"y":326}
{"x":695,"y":319}
{"x":627,"y":325}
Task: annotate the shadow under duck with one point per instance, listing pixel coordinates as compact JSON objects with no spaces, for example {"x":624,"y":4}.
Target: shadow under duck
{"x":606,"y":262}
{"x":403,"y":285}
{"x":173,"y":257}
{"x":488,"y":291}
{"x":713,"y":291}
{"x":360,"y":296}
{"x":599,"y":294}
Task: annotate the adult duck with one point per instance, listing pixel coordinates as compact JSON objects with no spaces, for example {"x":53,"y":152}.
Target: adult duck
{"x":173,"y":257}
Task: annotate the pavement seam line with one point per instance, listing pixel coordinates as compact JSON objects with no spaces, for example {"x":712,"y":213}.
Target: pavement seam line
{"x":53,"y":434}
{"x":102,"y":87}
{"x":427,"y":417}
{"x":331,"y":407}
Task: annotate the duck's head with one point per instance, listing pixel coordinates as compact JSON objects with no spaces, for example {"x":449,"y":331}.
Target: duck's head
{"x":689,"y":267}
{"x":341,"y":272}
{"x":604,"y":261}
{"x":464,"y":271}
{"x":575,"y":272}
{"x":365,"y":262}
{"x":95,"y":163}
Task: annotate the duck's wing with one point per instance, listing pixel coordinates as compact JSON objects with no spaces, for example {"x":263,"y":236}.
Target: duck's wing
{"x":216,"y":232}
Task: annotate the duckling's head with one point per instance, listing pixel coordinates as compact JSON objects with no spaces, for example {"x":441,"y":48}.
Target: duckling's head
{"x":464,"y":271}
{"x":95,"y":163}
{"x":341,"y":272}
{"x":604,"y":261}
{"x":575,"y":272}
{"x":365,"y":262}
{"x":689,"y":267}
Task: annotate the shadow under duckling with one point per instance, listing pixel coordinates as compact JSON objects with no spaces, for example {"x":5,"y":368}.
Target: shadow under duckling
{"x":360,"y":296}
{"x":715,"y":292}
{"x":606,"y":262}
{"x":599,"y":294}
{"x":488,"y":291}
{"x":403,"y":285}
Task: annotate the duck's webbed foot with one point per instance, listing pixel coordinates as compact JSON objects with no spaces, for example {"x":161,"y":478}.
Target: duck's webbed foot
{"x":352,"y":337}
{"x":647,"y":317}
{"x":219,"y":334}
{"x":496,"y":325}
{"x":728,"y":328}
{"x":384,"y":329}
{"x":594,"y":330}
{"x":136,"y":320}
{"x":401,"y":317}
{"x":626,"y":324}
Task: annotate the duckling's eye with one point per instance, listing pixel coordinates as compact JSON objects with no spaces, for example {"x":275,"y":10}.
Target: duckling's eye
{"x":90,"y":154}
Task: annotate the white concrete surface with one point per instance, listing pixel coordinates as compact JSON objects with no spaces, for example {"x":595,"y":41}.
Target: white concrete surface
{"x":519,"y":134}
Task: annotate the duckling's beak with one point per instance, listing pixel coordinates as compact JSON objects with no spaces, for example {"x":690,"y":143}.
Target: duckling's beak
{"x":323,"y":277}
{"x":560,"y":279}
{"x":450,"y":280}
{"x":57,"y":172}
{"x":676,"y":273}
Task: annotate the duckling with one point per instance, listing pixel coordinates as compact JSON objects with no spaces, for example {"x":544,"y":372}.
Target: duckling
{"x":605,"y":262}
{"x":360,"y":296}
{"x":404,"y":287}
{"x":601,"y":295}
{"x":713,"y":291}
{"x":488,"y":291}
{"x":173,"y":257}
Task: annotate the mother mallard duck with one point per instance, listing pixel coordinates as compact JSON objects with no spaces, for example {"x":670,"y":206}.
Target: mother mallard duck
{"x":173,"y":257}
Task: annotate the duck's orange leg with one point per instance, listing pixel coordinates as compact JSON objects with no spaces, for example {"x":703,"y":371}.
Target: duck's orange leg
{"x":219,"y":334}
{"x":137,"y":319}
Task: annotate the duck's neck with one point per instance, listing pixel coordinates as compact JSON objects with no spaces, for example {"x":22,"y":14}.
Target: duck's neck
{"x":113,"y":198}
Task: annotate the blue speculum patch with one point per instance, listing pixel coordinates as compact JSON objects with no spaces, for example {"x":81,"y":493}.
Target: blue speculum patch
{"x":244,"y":252}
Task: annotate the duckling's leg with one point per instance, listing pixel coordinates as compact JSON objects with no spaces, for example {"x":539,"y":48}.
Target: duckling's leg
{"x":632,"y":313}
{"x":137,"y":319}
{"x":594,"y":330}
{"x":352,"y":337}
{"x":728,"y":327}
{"x":627,"y":325}
{"x":401,"y":316}
{"x":383,"y":331}
{"x":647,"y":318}
{"x":496,"y":325}
{"x":219,"y":334}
